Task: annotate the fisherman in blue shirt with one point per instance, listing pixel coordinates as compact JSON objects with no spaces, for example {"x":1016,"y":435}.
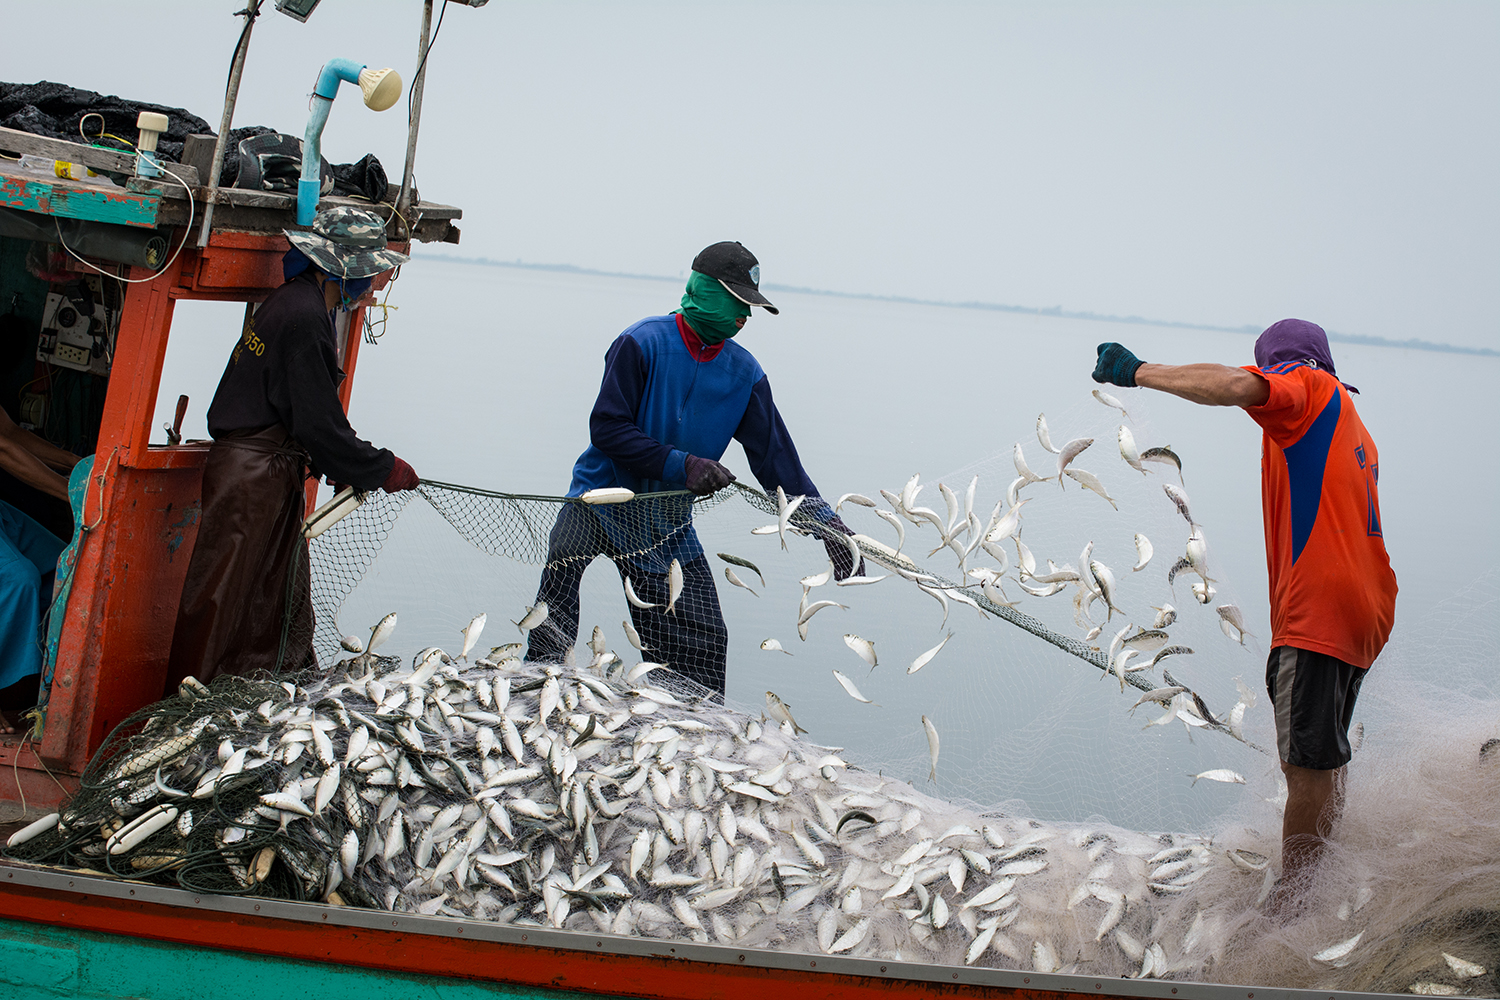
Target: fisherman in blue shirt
{"x":676,"y":390}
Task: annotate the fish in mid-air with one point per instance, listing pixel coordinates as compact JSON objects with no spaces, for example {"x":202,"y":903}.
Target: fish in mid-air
{"x":1180,"y":501}
{"x":1219,"y":774}
{"x":730,"y":576}
{"x":863,"y":647}
{"x":746,"y":563}
{"x":1232,"y":622}
{"x":534,"y":616}
{"x":932,"y":746}
{"x":781,"y":712}
{"x":1042,"y":434}
{"x":674,"y":585}
{"x":1143,"y":552}
{"x":1023,"y":470}
{"x":849,"y":687}
{"x":784,"y":510}
{"x":1128,"y":450}
{"x":926,"y":657}
{"x":1070,"y":451}
{"x":634,"y":637}
{"x":1111,"y":401}
{"x":381,"y":632}
{"x":772,"y":646}
{"x":1089,"y":481}
{"x":636,"y":601}
{"x":1165,"y":616}
{"x":1166,"y":456}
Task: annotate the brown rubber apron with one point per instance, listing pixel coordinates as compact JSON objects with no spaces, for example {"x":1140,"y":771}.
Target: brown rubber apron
{"x":245,"y":603}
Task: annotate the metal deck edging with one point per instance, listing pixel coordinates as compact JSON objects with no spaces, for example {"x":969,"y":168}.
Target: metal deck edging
{"x":61,"y":880}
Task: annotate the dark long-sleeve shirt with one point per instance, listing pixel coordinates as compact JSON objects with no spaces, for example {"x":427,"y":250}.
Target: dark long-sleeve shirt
{"x":284,"y":370}
{"x":666,"y":395}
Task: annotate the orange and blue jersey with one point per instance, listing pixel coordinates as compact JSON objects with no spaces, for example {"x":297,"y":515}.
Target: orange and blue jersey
{"x":1332,"y":587}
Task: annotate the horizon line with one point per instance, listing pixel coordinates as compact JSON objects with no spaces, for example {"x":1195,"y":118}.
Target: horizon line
{"x":1368,"y":340}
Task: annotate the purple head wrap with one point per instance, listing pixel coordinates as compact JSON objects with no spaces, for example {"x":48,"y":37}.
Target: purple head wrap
{"x":1296,"y":340}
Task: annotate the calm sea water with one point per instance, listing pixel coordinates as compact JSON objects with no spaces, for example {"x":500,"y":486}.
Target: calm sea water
{"x":487,"y":374}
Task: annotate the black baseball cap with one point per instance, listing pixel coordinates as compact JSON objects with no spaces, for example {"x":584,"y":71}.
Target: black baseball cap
{"x":737,"y":270}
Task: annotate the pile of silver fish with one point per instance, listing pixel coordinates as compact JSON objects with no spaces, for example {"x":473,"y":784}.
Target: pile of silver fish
{"x":609,"y":797}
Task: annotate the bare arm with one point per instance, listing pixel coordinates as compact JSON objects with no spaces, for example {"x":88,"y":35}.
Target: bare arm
{"x":27,"y":457}
{"x":1211,"y":385}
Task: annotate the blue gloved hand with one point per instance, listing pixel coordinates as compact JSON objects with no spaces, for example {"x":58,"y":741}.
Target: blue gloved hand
{"x":1116,"y":365}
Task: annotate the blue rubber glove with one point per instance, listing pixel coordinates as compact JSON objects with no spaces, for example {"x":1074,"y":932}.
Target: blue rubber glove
{"x":1116,"y":365}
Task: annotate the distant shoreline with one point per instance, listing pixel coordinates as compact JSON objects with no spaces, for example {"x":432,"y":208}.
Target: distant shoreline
{"x":1058,"y":311}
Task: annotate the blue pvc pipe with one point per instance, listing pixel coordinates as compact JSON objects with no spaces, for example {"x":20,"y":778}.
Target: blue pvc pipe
{"x":310,"y":186}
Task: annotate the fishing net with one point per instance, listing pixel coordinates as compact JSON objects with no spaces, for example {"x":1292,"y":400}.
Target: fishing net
{"x":943,"y":808}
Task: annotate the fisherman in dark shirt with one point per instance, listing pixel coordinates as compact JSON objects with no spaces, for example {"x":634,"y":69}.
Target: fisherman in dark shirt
{"x":677,"y":389}
{"x":245,"y":603}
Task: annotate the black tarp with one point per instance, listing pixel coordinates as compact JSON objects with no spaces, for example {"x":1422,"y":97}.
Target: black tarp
{"x":56,"y":110}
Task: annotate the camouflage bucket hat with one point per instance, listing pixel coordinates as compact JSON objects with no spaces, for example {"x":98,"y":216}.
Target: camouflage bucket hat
{"x":347,"y":242}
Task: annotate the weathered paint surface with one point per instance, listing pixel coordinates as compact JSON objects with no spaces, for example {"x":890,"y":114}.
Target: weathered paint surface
{"x":53,"y":962}
{"x":73,"y":200}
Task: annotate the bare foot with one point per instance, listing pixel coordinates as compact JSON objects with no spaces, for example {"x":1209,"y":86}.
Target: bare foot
{"x":11,"y":723}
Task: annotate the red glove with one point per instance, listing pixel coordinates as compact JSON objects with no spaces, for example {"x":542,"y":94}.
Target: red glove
{"x":402,"y":477}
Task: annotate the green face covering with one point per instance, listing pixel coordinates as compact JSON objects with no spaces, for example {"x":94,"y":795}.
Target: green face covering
{"x":710,"y":310}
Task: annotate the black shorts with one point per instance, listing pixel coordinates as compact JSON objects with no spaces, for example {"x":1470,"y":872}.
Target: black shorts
{"x":1313,"y":695}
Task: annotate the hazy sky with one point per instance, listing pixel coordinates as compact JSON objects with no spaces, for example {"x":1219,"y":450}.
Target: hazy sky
{"x":1212,"y":162}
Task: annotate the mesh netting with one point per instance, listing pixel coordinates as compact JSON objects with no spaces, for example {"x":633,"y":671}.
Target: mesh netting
{"x":578,"y":777}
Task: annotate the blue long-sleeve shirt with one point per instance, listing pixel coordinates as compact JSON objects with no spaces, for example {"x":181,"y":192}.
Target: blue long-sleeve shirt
{"x":662,"y":400}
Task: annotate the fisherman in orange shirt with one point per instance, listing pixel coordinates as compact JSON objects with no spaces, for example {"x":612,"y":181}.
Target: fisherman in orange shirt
{"x":1333,"y":593}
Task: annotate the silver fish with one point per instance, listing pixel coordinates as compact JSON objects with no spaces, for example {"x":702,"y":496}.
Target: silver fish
{"x":1180,"y":501}
{"x":1165,"y":616}
{"x":1220,"y":774}
{"x":1042,"y":433}
{"x":781,"y":711}
{"x":1162,"y":654}
{"x":1106,"y":582}
{"x":1128,"y":450}
{"x":1111,"y":401}
{"x":729,"y":575}
{"x":1164,"y":455}
{"x":863,"y":647}
{"x":1143,"y":552}
{"x":1231,"y":618}
{"x":1147,"y":640}
{"x":858,"y":498}
{"x":674,"y":585}
{"x":1161,"y":696}
{"x":635,"y":601}
{"x":352,"y":643}
{"x":471,"y":634}
{"x":817,"y":606}
{"x":1023,"y":470}
{"x":534,"y":616}
{"x":784,"y":510}
{"x":926,"y":658}
{"x":894,"y":522}
{"x":381,"y":632}
{"x":932,"y":745}
{"x":634,"y":636}
{"x":1089,"y":481}
{"x":746,"y":563}
{"x":1070,"y":451}
{"x":771,"y":645}
{"x":849,"y":687}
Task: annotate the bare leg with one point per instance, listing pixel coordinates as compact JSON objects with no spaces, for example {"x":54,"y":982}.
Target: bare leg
{"x":1314,"y":802}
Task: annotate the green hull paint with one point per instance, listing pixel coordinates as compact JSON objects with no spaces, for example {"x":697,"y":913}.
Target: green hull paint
{"x":43,"y":963}
{"x":72,"y":201}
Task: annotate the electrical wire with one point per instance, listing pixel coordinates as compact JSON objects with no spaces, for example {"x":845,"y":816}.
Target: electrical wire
{"x":250,"y":13}
{"x":139,"y":281}
{"x":426,"y":51}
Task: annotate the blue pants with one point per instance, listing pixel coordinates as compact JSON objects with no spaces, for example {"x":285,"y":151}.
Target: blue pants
{"x":693,"y":640}
{"x":28,"y":555}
